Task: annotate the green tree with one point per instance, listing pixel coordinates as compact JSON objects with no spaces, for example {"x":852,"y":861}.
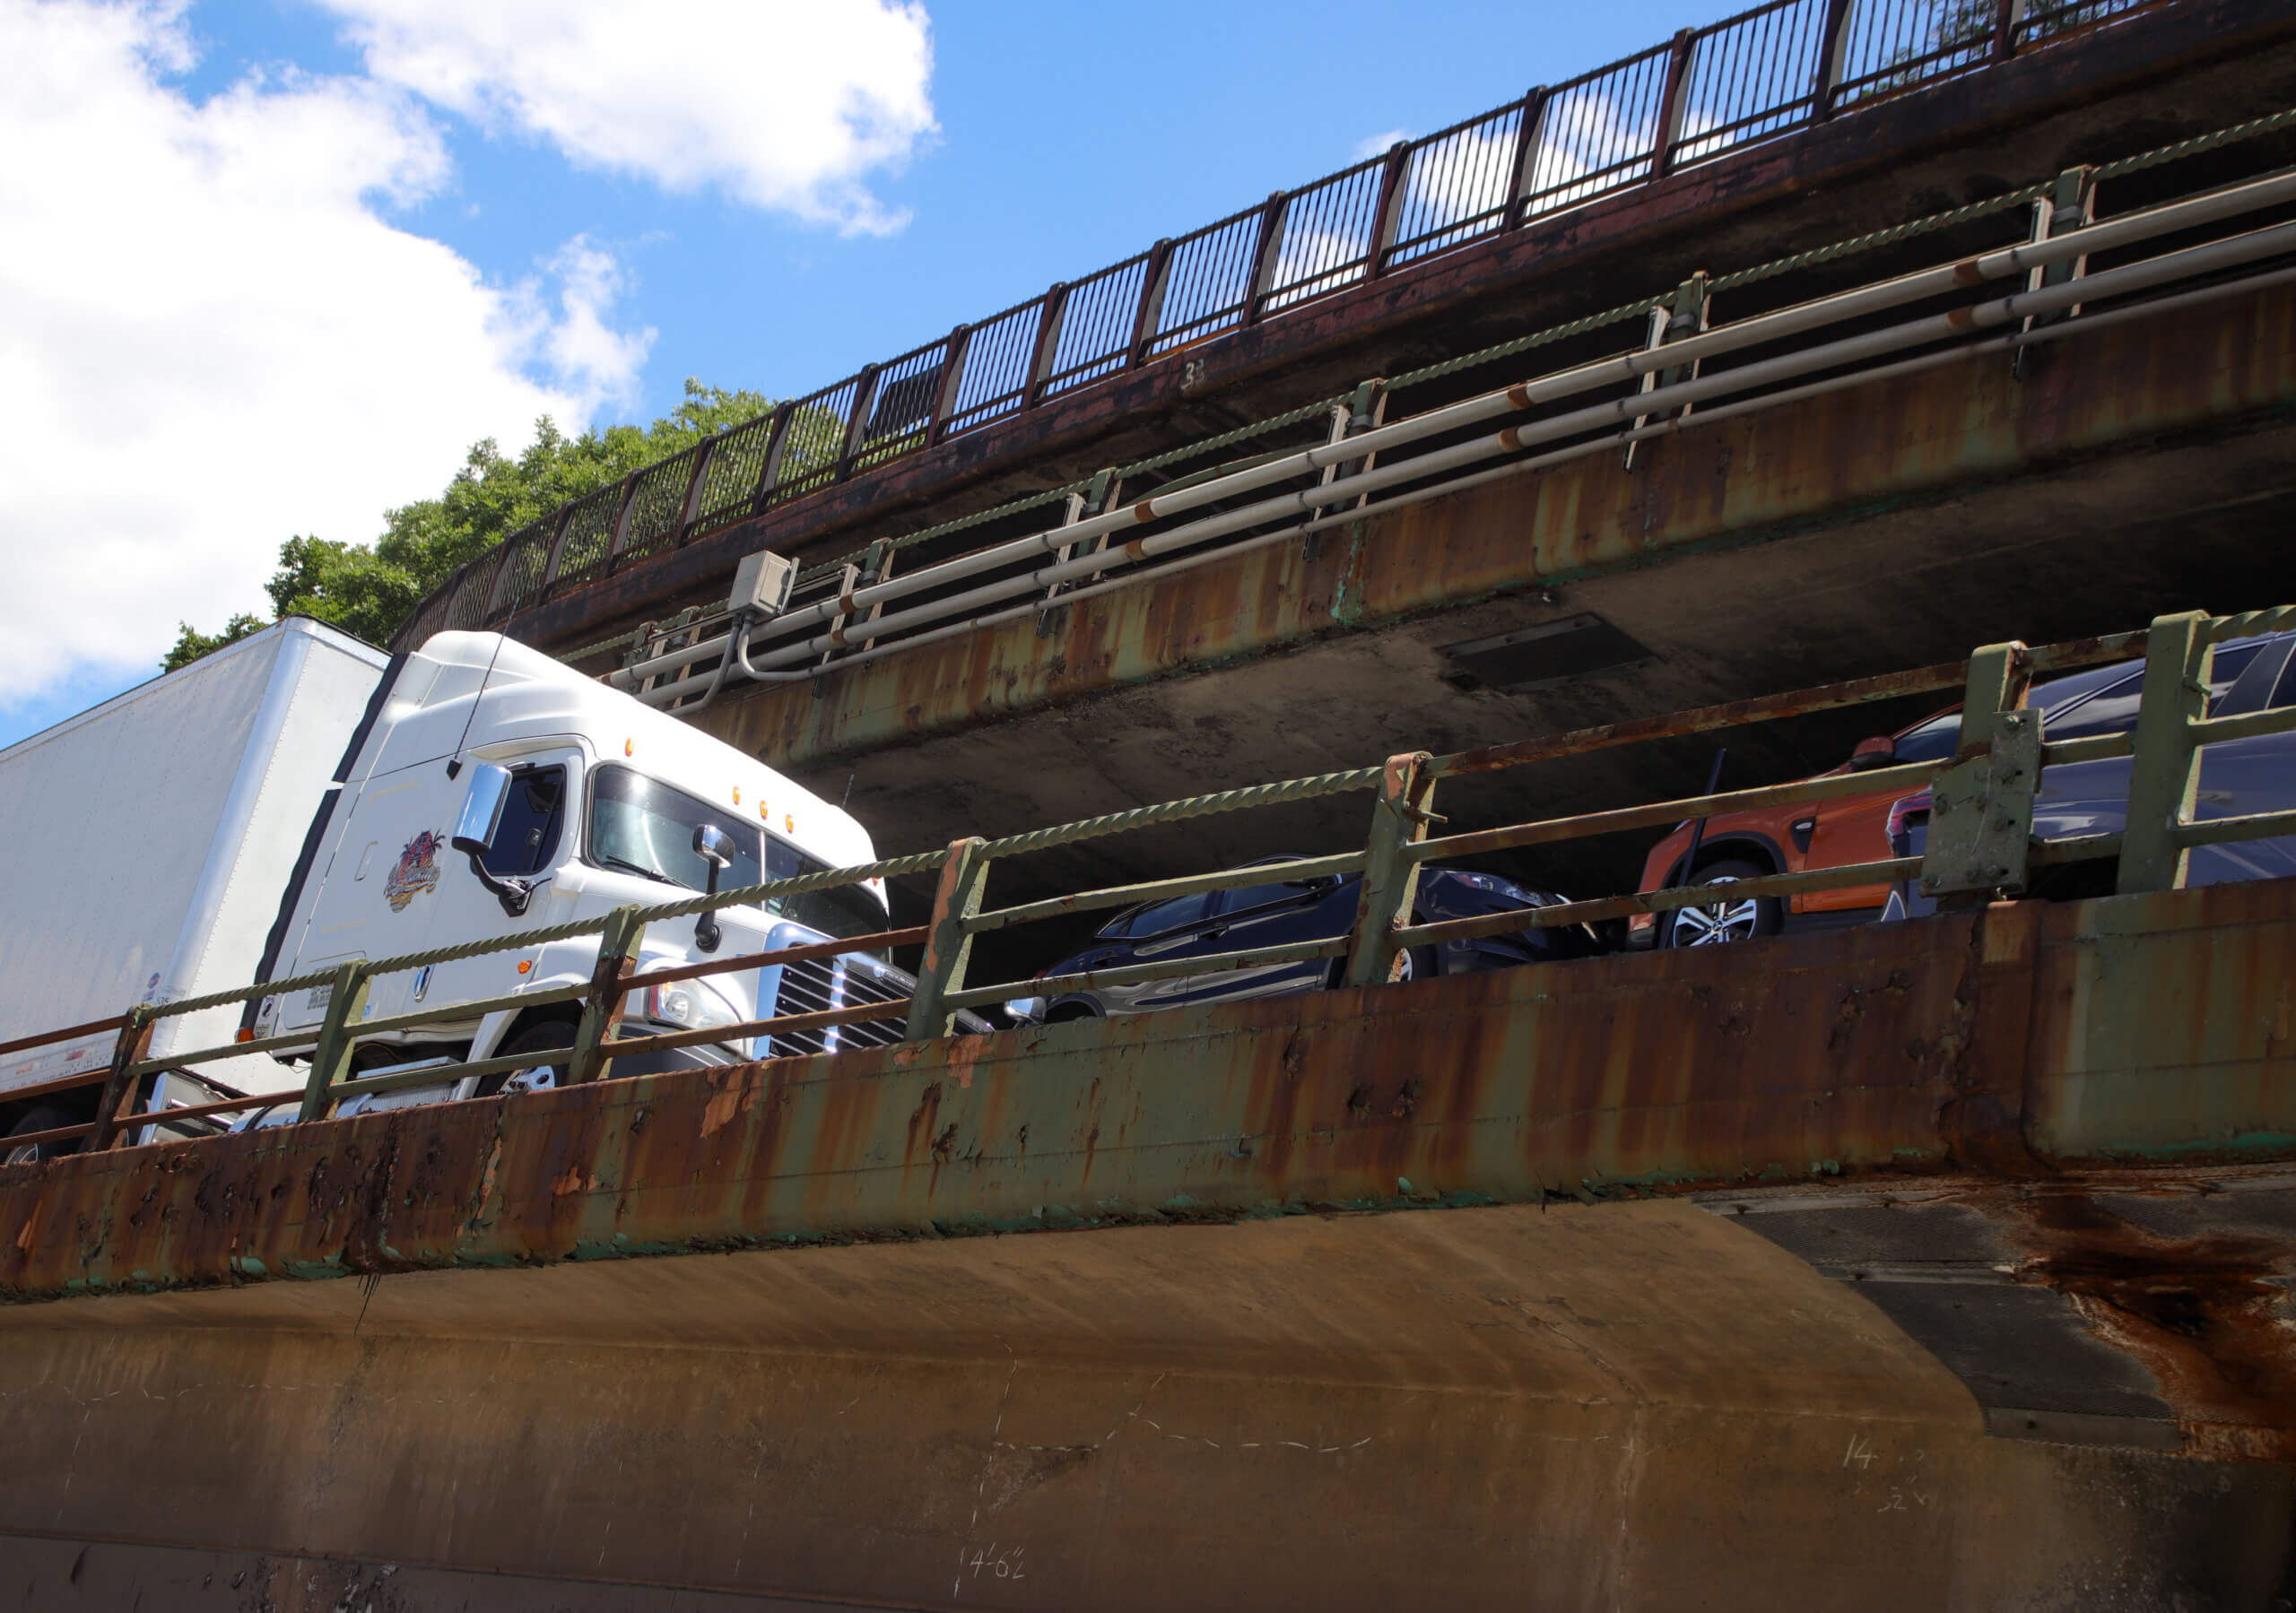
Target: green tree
{"x":191,"y":644}
{"x":370,"y":589}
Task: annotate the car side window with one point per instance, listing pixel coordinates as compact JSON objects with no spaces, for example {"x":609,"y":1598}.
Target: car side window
{"x":532,"y":821}
{"x":1258,"y":895}
{"x":2113,"y":709}
{"x":1934,"y":741}
{"x":2284,"y":694}
{"x":1161,"y":917}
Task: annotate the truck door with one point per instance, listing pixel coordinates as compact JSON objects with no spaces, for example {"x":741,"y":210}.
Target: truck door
{"x":358,"y":900}
{"x":535,"y":837}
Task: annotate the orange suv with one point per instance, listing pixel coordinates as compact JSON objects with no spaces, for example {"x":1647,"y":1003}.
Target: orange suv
{"x":1855,"y":829}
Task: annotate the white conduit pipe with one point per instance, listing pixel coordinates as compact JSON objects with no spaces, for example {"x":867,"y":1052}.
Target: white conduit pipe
{"x":1610,"y":442}
{"x":1620,"y":369}
{"x":1623,"y":369}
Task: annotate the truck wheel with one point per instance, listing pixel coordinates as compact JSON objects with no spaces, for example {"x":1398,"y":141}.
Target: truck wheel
{"x":1726,"y":919}
{"x":44,"y":1117}
{"x":551,"y":1035}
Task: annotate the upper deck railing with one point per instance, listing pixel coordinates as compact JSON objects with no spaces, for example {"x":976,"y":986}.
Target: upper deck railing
{"x":1705,"y":93}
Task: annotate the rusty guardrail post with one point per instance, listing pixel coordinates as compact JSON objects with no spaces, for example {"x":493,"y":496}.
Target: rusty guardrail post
{"x":346,"y":1003}
{"x":2165,"y":773}
{"x":118,"y":1096}
{"x":609,"y":990}
{"x":1981,"y":808}
{"x":963,"y":878}
{"x":1390,"y":878}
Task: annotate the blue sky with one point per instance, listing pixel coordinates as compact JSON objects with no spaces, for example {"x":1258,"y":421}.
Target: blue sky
{"x":1060,"y":138}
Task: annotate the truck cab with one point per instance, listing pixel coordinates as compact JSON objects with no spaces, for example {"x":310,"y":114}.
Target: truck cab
{"x":604,"y":799}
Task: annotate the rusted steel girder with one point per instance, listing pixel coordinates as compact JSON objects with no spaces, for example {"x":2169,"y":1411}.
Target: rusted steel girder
{"x":2010,"y":1043}
{"x":1951,"y":431}
{"x":2018,"y":1046}
{"x":1817,"y":184}
{"x":2055,"y":1146}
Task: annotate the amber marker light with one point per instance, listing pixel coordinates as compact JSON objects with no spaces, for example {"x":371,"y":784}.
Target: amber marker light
{"x":525,"y":964}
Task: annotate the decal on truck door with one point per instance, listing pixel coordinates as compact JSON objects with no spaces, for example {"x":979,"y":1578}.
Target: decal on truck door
{"x":417,"y":871}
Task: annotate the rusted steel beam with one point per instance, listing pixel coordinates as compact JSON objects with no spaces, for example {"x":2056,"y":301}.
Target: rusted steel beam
{"x":1667,"y":900}
{"x":860,"y":1013}
{"x":92,"y":1028}
{"x":1907,"y":777}
{"x":1953,"y":430}
{"x":1730,"y":714}
{"x":118,"y":1095}
{"x":1829,"y":1058}
{"x":880,"y":941}
{"x":1818,"y":161}
{"x":1125,"y":896}
{"x":25,"y":1140}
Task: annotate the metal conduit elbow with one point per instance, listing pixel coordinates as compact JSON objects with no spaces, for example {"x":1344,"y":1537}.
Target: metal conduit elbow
{"x":738,"y":653}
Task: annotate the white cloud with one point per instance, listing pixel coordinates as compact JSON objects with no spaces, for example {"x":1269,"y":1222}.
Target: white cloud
{"x":785,"y":104}
{"x":210,"y":339}
{"x":1379,"y":145}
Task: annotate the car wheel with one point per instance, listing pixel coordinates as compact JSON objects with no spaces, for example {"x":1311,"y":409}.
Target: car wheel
{"x":1730,"y":919}
{"x":45,"y":1117}
{"x":1068,"y":1013}
{"x":551,"y":1035}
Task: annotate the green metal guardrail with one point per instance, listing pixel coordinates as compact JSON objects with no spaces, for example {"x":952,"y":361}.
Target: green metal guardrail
{"x":1979,"y":847}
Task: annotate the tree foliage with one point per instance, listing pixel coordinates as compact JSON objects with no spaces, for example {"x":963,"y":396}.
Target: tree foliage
{"x":370,"y":589}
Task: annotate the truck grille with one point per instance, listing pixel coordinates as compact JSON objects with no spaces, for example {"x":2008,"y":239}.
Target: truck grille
{"x":818,"y":984}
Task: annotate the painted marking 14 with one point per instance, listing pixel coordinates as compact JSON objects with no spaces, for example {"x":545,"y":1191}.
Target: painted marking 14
{"x":980,"y":1560}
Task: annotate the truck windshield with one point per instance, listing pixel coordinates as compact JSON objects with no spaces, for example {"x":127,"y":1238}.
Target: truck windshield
{"x":641,"y":826}
{"x":841,"y":911}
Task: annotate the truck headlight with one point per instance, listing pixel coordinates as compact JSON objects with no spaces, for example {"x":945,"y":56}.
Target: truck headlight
{"x":686,"y":1004}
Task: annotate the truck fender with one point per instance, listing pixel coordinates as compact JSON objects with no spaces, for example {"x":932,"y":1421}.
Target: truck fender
{"x":499,"y":1027}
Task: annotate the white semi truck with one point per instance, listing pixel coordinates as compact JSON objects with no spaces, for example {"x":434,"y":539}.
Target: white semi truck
{"x":291,"y":802}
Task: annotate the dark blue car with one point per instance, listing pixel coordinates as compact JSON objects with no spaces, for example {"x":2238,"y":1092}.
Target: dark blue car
{"x":1277,"y":913}
{"x":2072,"y":799}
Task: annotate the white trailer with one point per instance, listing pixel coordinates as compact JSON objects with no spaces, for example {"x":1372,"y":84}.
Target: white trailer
{"x":151,"y":841}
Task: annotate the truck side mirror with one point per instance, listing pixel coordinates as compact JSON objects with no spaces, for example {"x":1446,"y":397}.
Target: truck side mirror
{"x":480,"y":820}
{"x":714,"y":846}
{"x":1879,"y":751}
{"x":482,"y":813}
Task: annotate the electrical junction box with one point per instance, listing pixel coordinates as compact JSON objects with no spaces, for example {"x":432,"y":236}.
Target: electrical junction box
{"x":761,"y":584}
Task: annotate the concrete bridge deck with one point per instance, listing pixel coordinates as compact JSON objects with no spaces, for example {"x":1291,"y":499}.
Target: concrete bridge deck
{"x":1938,"y":1264}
